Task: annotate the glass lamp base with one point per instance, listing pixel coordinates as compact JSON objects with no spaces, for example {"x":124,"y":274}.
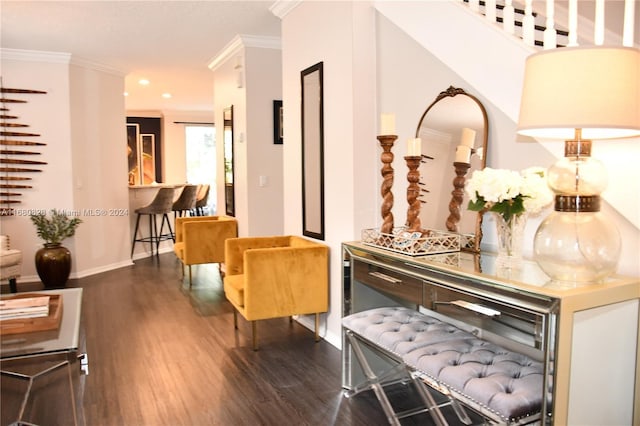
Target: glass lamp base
{"x":577,"y":247}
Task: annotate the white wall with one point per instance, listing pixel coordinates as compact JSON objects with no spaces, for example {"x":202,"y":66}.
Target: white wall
{"x":342,"y":36}
{"x":263,"y":79}
{"x":226,"y":94}
{"x":80,"y":119}
{"x":249,"y":77}
{"x":98,"y":168}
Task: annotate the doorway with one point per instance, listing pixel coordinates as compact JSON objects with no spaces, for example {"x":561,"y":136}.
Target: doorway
{"x":201,"y":160}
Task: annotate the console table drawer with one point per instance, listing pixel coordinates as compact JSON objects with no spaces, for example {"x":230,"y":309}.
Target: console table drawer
{"x":389,"y":281}
{"x":502,"y":318}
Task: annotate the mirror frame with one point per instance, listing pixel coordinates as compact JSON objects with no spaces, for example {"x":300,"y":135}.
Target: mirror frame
{"x":229,"y":177}
{"x":471,"y":244}
{"x":312,"y":122}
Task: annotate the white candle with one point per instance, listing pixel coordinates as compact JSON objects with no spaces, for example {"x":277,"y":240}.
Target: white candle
{"x":463,"y":154}
{"x":388,"y":124}
{"x":573,"y":22}
{"x":468,"y":137}
{"x":417,"y":147}
{"x":414,"y":147}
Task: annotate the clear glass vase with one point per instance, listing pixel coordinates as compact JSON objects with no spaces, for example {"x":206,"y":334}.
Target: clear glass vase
{"x":510,"y":240}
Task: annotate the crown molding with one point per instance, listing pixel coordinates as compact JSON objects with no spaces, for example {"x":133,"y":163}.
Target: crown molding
{"x":56,"y":58}
{"x":281,"y":8}
{"x":35,"y":56}
{"x":85,"y":63}
{"x":262,"y":42}
{"x":240,"y":42}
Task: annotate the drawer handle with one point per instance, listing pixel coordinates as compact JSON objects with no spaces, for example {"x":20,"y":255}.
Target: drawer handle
{"x":476,"y":308}
{"x":388,"y":278}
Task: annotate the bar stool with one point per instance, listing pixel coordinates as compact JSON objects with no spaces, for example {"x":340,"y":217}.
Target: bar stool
{"x":202,"y":199}
{"x":161,"y":204}
{"x":186,"y":201}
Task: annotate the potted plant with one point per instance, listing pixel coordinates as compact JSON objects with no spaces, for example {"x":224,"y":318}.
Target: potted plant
{"x":53,"y":261}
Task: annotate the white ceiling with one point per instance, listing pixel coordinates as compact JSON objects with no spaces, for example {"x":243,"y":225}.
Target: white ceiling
{"x":169,"y":43}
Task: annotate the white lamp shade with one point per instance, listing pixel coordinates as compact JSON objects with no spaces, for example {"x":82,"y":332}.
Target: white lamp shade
{"x":596,"y":89}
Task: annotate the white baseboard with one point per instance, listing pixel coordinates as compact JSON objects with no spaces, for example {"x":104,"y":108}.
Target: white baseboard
{"x":143,"y":255}
{"x":103,"y":268}
{"x":308,"y":321}
{"x":93,"y":271}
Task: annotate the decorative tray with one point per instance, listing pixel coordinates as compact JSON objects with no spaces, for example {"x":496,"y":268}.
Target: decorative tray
{"x":413,"y":243}
{"x":28,"y":325}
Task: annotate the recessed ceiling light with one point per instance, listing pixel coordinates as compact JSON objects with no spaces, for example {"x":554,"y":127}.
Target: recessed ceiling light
{"x":126,"y":93}
{"x":144,"y":82}
{"x":166,"y":95}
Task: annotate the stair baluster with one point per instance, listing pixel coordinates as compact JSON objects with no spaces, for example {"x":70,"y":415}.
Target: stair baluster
{"x":627,"y":32}
{"x":573,"y":23}
{"x":508,"y":17}
{"x":550,"y":35}
{"x":490,"y":10}
{"x":528,"y":24}
{"x":598,"y":36}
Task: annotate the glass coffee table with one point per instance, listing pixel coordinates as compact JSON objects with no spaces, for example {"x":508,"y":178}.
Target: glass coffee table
{"x":39,"y":364}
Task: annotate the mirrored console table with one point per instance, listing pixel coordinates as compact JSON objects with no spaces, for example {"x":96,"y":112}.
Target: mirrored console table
{"x":586,"y":335}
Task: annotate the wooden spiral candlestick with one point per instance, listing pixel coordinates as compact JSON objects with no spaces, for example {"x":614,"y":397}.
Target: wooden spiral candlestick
{"x":457,"y":195}
{"x":386,"y":142}
{"x":413,"y":193}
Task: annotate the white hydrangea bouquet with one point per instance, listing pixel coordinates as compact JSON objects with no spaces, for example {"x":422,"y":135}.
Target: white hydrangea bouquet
{"x":507,"y":192}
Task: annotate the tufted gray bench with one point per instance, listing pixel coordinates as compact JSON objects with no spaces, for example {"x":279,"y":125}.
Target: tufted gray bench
{"x":502,"y":385}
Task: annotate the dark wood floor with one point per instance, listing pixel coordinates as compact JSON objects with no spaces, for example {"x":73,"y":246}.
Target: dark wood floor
{"x":162,"y":354}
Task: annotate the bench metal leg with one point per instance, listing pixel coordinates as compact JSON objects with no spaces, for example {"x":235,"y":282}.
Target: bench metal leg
{"x":373,"y":382}
{"x":377,"y":384}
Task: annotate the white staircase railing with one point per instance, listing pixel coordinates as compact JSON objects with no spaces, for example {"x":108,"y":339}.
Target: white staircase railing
{"x":549,"y":19}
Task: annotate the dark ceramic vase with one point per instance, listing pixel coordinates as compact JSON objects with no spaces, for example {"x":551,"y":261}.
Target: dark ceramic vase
{"x":53,"y":263}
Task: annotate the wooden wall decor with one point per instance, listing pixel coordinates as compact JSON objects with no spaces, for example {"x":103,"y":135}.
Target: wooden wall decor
{"x":13,"y":172}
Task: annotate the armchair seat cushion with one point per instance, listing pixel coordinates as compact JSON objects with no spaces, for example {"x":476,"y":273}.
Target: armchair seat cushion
{"x":178,"y":248}
{"x":234,"y":289}
{"x":10,"y":258}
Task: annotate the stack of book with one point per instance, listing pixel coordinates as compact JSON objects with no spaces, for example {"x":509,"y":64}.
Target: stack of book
{"x":21,"y":308}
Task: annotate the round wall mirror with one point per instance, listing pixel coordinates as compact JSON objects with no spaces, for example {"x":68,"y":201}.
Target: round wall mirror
{"x":454,"y":119}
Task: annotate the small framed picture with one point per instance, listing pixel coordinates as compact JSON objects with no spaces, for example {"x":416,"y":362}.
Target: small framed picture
{"x":278,"y":136}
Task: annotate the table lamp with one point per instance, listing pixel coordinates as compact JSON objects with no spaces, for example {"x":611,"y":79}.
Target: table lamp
{"x":578,"y":94}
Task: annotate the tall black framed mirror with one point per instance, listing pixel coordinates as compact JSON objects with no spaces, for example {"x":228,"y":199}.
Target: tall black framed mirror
{"x":453,"y":119}
{"x":229,"y":190}
{"x":312,"y":151}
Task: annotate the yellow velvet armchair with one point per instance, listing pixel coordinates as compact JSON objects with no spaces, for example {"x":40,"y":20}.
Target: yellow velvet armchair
{"x":201,"y":239}
{"x":271,"y":277}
